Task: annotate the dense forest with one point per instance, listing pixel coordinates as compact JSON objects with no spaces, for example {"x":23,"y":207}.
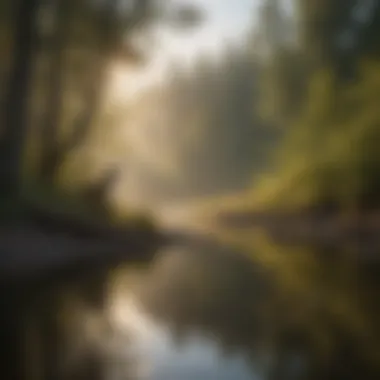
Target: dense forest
{"x":289,"y":116}
{"x":56,"y":220}
{"x":285,"y":120}
{"x":56,"y":65}
{"x":323,"y":89}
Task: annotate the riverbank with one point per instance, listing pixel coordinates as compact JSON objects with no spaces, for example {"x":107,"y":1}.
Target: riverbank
{"x":43,"y":240}
{"x":359,"y":230}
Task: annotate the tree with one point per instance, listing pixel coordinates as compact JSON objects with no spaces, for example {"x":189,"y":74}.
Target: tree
{"x":330,"y":34}
{"x":113,"y":40}
{"x":92,"y":34}
{"x":18,"y":92}
{"x":328,"y":158}
{"x":282,"y":65}
{"x":338,"y":33}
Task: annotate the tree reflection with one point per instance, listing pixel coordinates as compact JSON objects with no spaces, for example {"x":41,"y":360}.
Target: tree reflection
{"x":65,"y":331}
{"x":298,"y":313}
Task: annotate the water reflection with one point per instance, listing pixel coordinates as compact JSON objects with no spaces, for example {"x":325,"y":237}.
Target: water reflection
{"x":164,"y":356}
{"x":296,"y":313}
{"x":212,"y":312}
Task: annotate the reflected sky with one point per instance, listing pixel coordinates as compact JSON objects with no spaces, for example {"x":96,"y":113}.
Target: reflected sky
{"x":158,"y":357}
{"x":197,"y":360}
{"x":212,"y":313}
{"x":157,"y":354}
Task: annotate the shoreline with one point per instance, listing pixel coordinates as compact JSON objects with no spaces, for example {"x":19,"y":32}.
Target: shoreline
{"x":330,"y":229}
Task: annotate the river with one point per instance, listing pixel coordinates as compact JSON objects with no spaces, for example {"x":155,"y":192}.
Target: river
{"x":216,"y":312}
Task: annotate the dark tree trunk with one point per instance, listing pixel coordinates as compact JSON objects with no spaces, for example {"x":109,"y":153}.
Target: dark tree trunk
{"x":58,"y":152}
{"x":108,"y":38}
{"x":16,"y":102}
{"x":55,"y":152}
{"x":52,"y":116}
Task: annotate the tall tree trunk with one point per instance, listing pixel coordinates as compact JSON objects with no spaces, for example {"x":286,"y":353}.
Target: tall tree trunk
{"x":56,"y":152}
{"x":52,"y":116}
{"x":109,"y":43}
{"x":16,"y":102}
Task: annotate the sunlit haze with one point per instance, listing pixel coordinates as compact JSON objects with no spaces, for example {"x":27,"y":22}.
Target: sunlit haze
{"x":225,"y":22}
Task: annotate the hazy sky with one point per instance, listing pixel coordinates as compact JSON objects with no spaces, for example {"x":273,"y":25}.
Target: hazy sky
{"x":225,"y":21}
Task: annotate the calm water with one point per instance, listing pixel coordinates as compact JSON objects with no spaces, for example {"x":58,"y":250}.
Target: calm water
{"x":215,"y":312}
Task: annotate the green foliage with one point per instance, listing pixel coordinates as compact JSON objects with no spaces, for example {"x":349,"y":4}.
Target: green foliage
{"x":330,"y":155}
{"x":282,"y":87}
{"x":282,"y":69}
{"x":324,"y":90}
{"x":332,"y":35}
